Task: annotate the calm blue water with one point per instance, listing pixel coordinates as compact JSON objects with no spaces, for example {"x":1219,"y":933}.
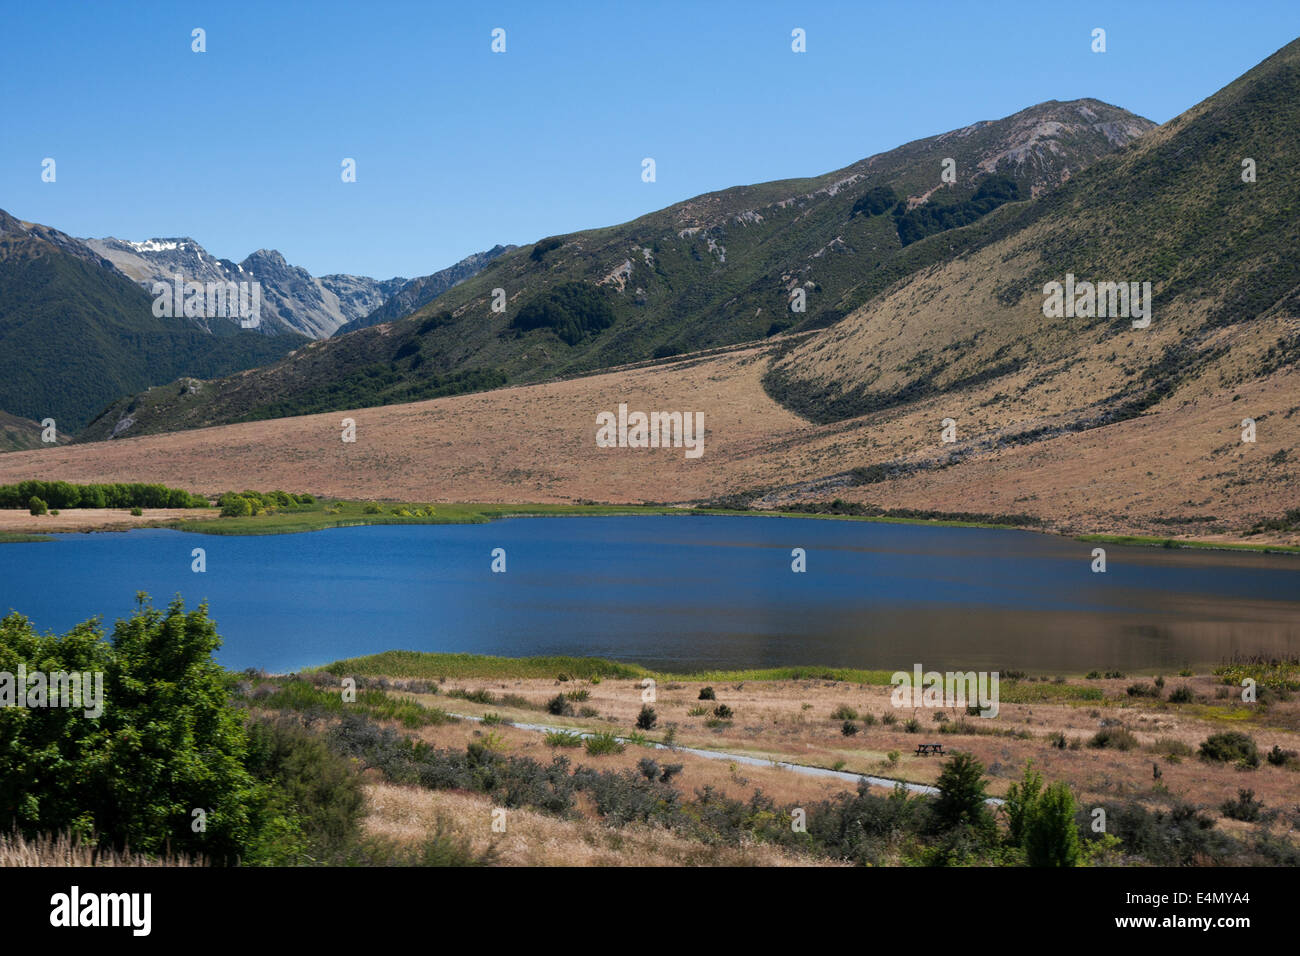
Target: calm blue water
{"x":679,"y":592}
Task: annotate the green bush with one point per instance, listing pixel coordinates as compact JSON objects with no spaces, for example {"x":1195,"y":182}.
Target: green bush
{"x":1113,"y":738}
{"x":563,"y":738}
{"x":647,"y":718}
{"x":167,"y":742}
{"x":723,"y":712}
{"x":1182,"y":695}
{"x":314,"y":794}
{"x":1231,"y":747}
{"x":1050,"y":835}
{"x":137,"y":511}
{"x":706,"y":693}
{"x":844,"y":712}
{"x":559,"y":706}
{"x":603,"y":743}
{"x":1245,"y":807}
{"x":36,"y":506}
{"x":848,"y":728}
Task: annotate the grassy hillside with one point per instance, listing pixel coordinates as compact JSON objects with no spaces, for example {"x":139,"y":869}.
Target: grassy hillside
{"x":20,"y":434}
{"x":1173,"y":210}
{"x":75,"y":334}
{"x":717,"y":269}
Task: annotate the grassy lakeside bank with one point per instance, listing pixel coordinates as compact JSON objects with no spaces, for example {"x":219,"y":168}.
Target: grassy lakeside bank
{"x":9,"y":537}
{"x":1016,"y":687}
{"x":1142,"y":541}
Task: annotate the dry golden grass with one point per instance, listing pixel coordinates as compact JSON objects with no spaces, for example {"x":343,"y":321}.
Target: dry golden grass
{"x":62,"y":850}
{"x":407,"y":815}
{"x":95,"y":519}
{"x":791,"y":721}
{"x":537,"y":444}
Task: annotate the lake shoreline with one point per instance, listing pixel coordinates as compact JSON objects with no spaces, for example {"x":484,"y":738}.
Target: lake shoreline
{"x":27,"y":529}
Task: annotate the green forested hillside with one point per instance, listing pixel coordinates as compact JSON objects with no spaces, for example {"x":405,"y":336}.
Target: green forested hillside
{"x":76,"y":335}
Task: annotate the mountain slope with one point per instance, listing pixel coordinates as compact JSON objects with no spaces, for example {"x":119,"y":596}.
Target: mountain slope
{"x":292,"y":299}
{"x":970,"y":334}
{"x":75,"y":334}
{"x":421,"y":291}
{"x":714,"y":270}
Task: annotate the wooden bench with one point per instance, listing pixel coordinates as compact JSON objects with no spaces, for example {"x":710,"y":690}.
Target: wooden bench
{"x":924,"y":750}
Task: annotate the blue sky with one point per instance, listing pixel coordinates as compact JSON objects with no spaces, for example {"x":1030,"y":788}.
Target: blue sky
{"x":458,"y":148}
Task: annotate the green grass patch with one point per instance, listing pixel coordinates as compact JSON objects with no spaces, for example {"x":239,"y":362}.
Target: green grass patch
{"x":432,"y":666}
{"x":1144,"y":541}
{"x":299,"y":695}
{"x":13,"y":537}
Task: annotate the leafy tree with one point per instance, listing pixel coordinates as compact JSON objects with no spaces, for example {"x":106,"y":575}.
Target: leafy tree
{"x":1051,"y":837}
{"x":1020,"y":802}
{"x":165,"y":744}
{"x":961,"y":795}
{"x":36,"y":506}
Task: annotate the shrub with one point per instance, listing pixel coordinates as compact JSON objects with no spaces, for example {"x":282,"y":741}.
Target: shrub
{"x":912,"y":726}
{"x":869,"y":719}
{"x":36,"y":506}
{"x":317,"y":793}
{"x":235,"y":506}
{"x":588,"y":712}
{"x":1182,"y":695}
{"x":1051,"y":837}
{"x":1245,"y":807}
{"x":889,"y":720}
{"x":706,"y":693}
{"x":137,"y":511}
{"x":1113,"y":738}
{"x":697,"y":711}
{"x":1092,"y":675}
{"x":848,"y":728}
{"x":1172,"y":747}
{"x":647,"y":718}
{"x":1282,"y":758}
{"x":1143,"y":690}
{"x":563,"y":738}
{"x":559,"y":706}
{"x":372,"y":509}
{"x":578,"y":696}
{"x":604,"y":743}
{"x":844,"y":712}
{"x":1231,"y":747}
{"x":723,"y":712}
{"x":961,"y":795}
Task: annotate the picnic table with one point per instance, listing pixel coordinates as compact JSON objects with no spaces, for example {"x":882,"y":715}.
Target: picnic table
{"x":924,"y":750}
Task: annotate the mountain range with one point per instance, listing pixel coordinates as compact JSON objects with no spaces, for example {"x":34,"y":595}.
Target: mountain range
{"x":949,"y":384}
{"x":726,"y":267}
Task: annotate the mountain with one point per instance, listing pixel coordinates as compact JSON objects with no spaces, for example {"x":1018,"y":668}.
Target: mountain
{"x":76,"y":334}
{"x":21,"y":434}
{"x":714,"y":270}
{"x":421,"y":291}
{"x":292,"y":299}
{"x":1173,"y":210}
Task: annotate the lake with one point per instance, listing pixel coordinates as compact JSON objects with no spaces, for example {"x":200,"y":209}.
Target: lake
{"x":681,"y":592}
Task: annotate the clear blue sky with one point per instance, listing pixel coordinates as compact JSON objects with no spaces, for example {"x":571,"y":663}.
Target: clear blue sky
{"x":458,"y":148}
